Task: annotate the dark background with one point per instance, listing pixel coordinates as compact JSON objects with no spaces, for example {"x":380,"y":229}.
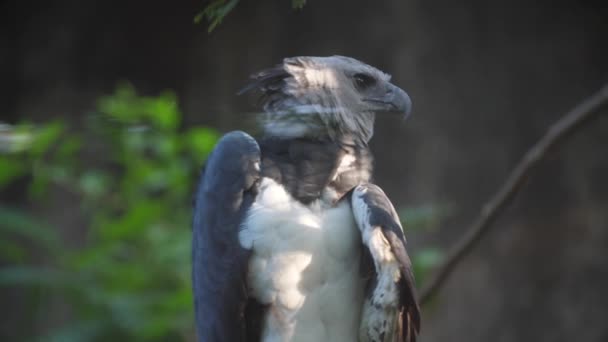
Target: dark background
{"x":486,"y":77}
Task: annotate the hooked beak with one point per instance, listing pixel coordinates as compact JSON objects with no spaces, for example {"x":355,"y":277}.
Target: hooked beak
{"x":395,"y":100}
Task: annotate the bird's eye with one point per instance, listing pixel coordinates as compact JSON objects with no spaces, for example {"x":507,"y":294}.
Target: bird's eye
{"x":363,"y":81}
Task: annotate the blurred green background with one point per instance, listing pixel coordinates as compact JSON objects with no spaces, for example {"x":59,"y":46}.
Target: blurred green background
{"x":129,"y":279}
{"x":109,"y":109}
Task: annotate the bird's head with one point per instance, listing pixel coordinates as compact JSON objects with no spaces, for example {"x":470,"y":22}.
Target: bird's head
{"x":333,"y":97}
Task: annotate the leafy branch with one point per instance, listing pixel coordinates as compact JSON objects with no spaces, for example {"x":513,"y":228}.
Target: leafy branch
{"x":132,"y":167}
{"x":217,"y":10}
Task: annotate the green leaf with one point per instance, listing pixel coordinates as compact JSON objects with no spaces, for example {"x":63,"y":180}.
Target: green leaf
{"x":201,"y":141}
{"x":69,"y":147}
{"x":134,"y":221}
{"x":162,"y":111}
{"x":45,"y":136}
{"x":10,"y":169}
{"x":298,"y":4}
{"x":166,"y":146}
{"x":15,"y":139}
{"x":10,"y":251}
{"x":215,"y":12}
{"x":133,"y":111}
{"x":121,"y":105}
{"x":16,"y":222}
{"x":94,"y":183}
{"x":199,"y":17}
{"x":43,"y":174}
{"x":424,"y":261}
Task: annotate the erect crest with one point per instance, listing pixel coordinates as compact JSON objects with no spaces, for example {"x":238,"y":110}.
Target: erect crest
{"x":321,"y":96}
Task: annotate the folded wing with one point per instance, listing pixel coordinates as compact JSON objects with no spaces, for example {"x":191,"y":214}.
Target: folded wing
{"x":219,"y":263}
{"x":390,"y":311}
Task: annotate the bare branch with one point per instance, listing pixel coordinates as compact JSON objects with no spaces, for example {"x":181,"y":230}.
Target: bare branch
{"x":564,"y":127}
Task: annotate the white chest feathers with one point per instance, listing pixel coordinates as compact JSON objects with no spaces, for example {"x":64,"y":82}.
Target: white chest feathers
{"x":305,"y":265}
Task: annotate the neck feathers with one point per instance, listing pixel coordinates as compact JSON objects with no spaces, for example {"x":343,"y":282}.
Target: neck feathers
{"x":312,"y":169}
{"x":315,"y":121}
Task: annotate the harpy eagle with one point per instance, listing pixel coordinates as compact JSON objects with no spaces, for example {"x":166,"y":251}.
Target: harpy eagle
{"x":291,"y":240}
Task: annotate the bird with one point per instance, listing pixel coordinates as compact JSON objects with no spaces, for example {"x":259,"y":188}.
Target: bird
{"x":292,"y":241}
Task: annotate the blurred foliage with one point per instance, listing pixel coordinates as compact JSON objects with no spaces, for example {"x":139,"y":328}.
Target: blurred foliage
{"x":130,"y":280}
{"x":425,"y":218}
{"x":217,"y":10}
{"x":132,"y":170}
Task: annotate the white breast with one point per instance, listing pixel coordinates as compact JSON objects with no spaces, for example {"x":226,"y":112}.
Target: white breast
{"x":305,"y":264}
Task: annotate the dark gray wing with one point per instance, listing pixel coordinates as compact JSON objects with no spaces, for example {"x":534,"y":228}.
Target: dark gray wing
{"x":382,"y":233}
{"x":219,"y":263}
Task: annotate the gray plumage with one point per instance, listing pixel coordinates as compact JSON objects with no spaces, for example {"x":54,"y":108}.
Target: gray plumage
{"x":383,"y":217}
{"x":219,"y":264}
{"x":313,"y":159}
{"x":326,"y":96}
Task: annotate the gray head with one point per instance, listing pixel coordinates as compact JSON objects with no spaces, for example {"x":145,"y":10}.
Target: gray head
{"x":335,"y":96}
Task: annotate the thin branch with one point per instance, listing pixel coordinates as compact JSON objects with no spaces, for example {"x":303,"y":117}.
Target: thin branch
{"x":564,"y":127}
